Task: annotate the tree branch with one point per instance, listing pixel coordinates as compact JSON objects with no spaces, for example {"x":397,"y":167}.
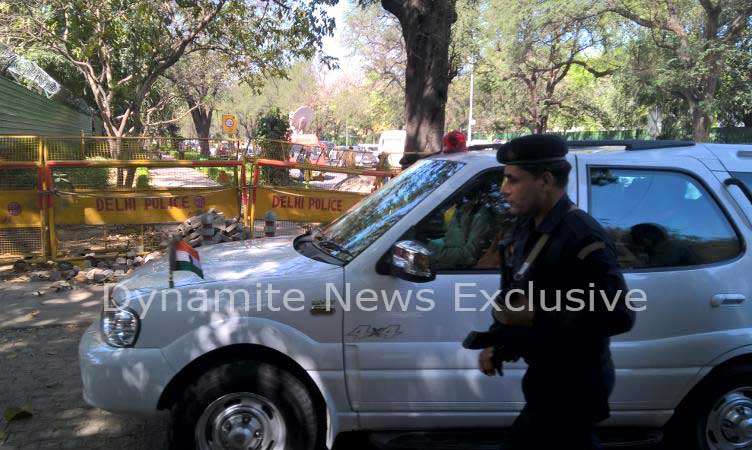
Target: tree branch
{"x":739,"y":24}
{"x":596,"y":73}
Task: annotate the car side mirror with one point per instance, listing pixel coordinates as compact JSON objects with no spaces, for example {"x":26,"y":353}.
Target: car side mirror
{"x":412,"y":261}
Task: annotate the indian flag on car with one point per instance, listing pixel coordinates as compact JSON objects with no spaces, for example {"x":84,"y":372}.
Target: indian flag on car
{"x":185,"y":257}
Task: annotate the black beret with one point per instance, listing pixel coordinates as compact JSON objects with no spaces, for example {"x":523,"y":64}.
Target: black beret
{"x":532,"y":149}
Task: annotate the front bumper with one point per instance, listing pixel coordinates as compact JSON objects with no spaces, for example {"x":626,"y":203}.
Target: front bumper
{"x":122,"y":380}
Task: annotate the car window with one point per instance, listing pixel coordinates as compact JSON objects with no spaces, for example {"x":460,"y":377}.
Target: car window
{"x":660,"y":219}
{"x":365,"y":222}
{"x":463,"y":232}
{"x":746,"y":177}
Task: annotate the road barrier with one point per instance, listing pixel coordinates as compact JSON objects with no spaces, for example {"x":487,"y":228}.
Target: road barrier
{"x":91,"y":212}
{"x":300,"y":201}
{"x":22,"y":194}
{"x":68,"y":196}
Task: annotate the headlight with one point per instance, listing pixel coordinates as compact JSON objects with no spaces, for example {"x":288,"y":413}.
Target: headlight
{"x":120,"y":327}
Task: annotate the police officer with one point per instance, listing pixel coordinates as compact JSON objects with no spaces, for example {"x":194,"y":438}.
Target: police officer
{"x":468,"y":233}
{"x":557,"y":253}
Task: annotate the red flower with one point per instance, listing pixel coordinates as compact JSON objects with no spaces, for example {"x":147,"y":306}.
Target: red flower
{"x":454,"y":142}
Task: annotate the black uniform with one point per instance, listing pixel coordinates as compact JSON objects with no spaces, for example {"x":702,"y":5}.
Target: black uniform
{"x":571,"y":373}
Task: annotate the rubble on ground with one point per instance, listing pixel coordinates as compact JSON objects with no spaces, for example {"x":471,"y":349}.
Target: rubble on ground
{"x":65,"y":274}
{"x":211,"y":227}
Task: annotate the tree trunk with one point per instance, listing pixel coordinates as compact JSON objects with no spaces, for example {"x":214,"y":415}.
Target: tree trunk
{"x":541,"y":124}
{"x":426,"y":28}
{"x":202,"y":121}
{"x":700,"y":122}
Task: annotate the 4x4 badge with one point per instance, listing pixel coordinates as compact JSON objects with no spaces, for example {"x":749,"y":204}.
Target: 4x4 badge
{"x":362,"y":332}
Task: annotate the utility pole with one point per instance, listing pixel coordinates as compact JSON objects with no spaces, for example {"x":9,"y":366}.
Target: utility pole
{"x":470,"y":116}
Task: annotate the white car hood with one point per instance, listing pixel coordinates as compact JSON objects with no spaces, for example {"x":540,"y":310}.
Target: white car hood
{"x":255,"y":259}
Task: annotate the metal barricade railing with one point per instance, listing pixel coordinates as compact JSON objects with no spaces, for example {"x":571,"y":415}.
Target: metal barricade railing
{"x":22,"y":192}
{"x":81,"y":148}
{"x":310,"y":194}
{"x":91,"y":212}
{"x":23,"y":217}
{"x":21,"y":148}
{"x":69,"y":195}
{"x":320,"y":155}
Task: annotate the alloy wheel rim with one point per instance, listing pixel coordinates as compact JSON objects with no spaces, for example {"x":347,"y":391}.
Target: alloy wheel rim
{"x":729,"y":424}
{"x":241,"y":421}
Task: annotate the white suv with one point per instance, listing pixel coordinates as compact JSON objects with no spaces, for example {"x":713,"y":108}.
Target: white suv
{"x":293,"y":371}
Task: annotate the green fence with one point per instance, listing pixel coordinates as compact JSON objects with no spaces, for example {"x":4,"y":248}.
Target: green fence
{"x":717,"y":135}
{"x":23,"y":112}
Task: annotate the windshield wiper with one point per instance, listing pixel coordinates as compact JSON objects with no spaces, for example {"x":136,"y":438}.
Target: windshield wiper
{"x":330,"y":244}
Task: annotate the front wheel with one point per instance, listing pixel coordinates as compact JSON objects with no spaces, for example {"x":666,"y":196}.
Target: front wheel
{"x":245,"y":405}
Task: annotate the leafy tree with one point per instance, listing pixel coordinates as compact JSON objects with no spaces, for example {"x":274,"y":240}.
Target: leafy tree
{"x":735,"y":92}
{"x":693,"y":40}
{"x":201,"y":78}
{"x":426,"y":29}
{"x":122,"y":48}
{"x":418,"y":49}
{"x":272,"y":127}
{"x":536,"y":45}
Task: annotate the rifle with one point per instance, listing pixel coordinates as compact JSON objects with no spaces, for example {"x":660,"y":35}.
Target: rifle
{"x":478,"y":340}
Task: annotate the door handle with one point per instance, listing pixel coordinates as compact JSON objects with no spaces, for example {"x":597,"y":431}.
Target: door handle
{"x":727,"y":300}
{"x":322,"y":308}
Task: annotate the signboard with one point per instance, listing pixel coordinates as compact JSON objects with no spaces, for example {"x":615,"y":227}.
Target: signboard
{"x":304,"y":205}
{"x":19,"y":209}
{"x":102,"y":208}
{"x":229,"y":124}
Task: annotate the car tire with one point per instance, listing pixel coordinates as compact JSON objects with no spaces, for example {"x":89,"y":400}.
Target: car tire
{"x":714,"y":417}
{"x":249,"y":403}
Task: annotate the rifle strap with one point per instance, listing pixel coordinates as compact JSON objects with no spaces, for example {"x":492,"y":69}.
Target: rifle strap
{"x":520,"y":274}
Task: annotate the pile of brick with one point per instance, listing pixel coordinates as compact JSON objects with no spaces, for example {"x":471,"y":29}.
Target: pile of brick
{"x":212,"y":227}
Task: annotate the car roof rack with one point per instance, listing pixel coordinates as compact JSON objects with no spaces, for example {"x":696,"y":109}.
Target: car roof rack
{"x":630,"y":144}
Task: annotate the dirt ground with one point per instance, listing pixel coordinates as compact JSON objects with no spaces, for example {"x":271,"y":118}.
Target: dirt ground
{"x":40,"y":378}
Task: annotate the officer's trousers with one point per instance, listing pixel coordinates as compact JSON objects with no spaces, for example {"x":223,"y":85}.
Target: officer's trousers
{"x":539,"y":428}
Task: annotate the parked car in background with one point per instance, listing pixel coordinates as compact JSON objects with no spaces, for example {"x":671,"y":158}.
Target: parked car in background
{"x":365,"y":157}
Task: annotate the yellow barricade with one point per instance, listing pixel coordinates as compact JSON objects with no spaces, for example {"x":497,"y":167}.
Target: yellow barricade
{"x":144,"y":207}
{"x":304,"y":205}
{"x":20,"y":209}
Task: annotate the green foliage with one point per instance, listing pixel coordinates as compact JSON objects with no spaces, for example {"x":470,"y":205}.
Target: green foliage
{"x":679,"y":54}
{"x":544,"y":57}
{"x":272,"y":127}
{"x":77,"y":178}
{"x":734,"y":103}
{"x":122,"y":48}
{"x":142,"y":178}
{"x":18,"y":179}
{"x":733,"y":135}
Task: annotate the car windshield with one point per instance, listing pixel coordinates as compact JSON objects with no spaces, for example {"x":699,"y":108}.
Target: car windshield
{"x":359,"y":227}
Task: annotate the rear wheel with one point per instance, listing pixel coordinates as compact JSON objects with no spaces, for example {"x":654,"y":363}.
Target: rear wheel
{"x":728,"y":425}
{"x":246,"y":405}
{"x":718,"y":416}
